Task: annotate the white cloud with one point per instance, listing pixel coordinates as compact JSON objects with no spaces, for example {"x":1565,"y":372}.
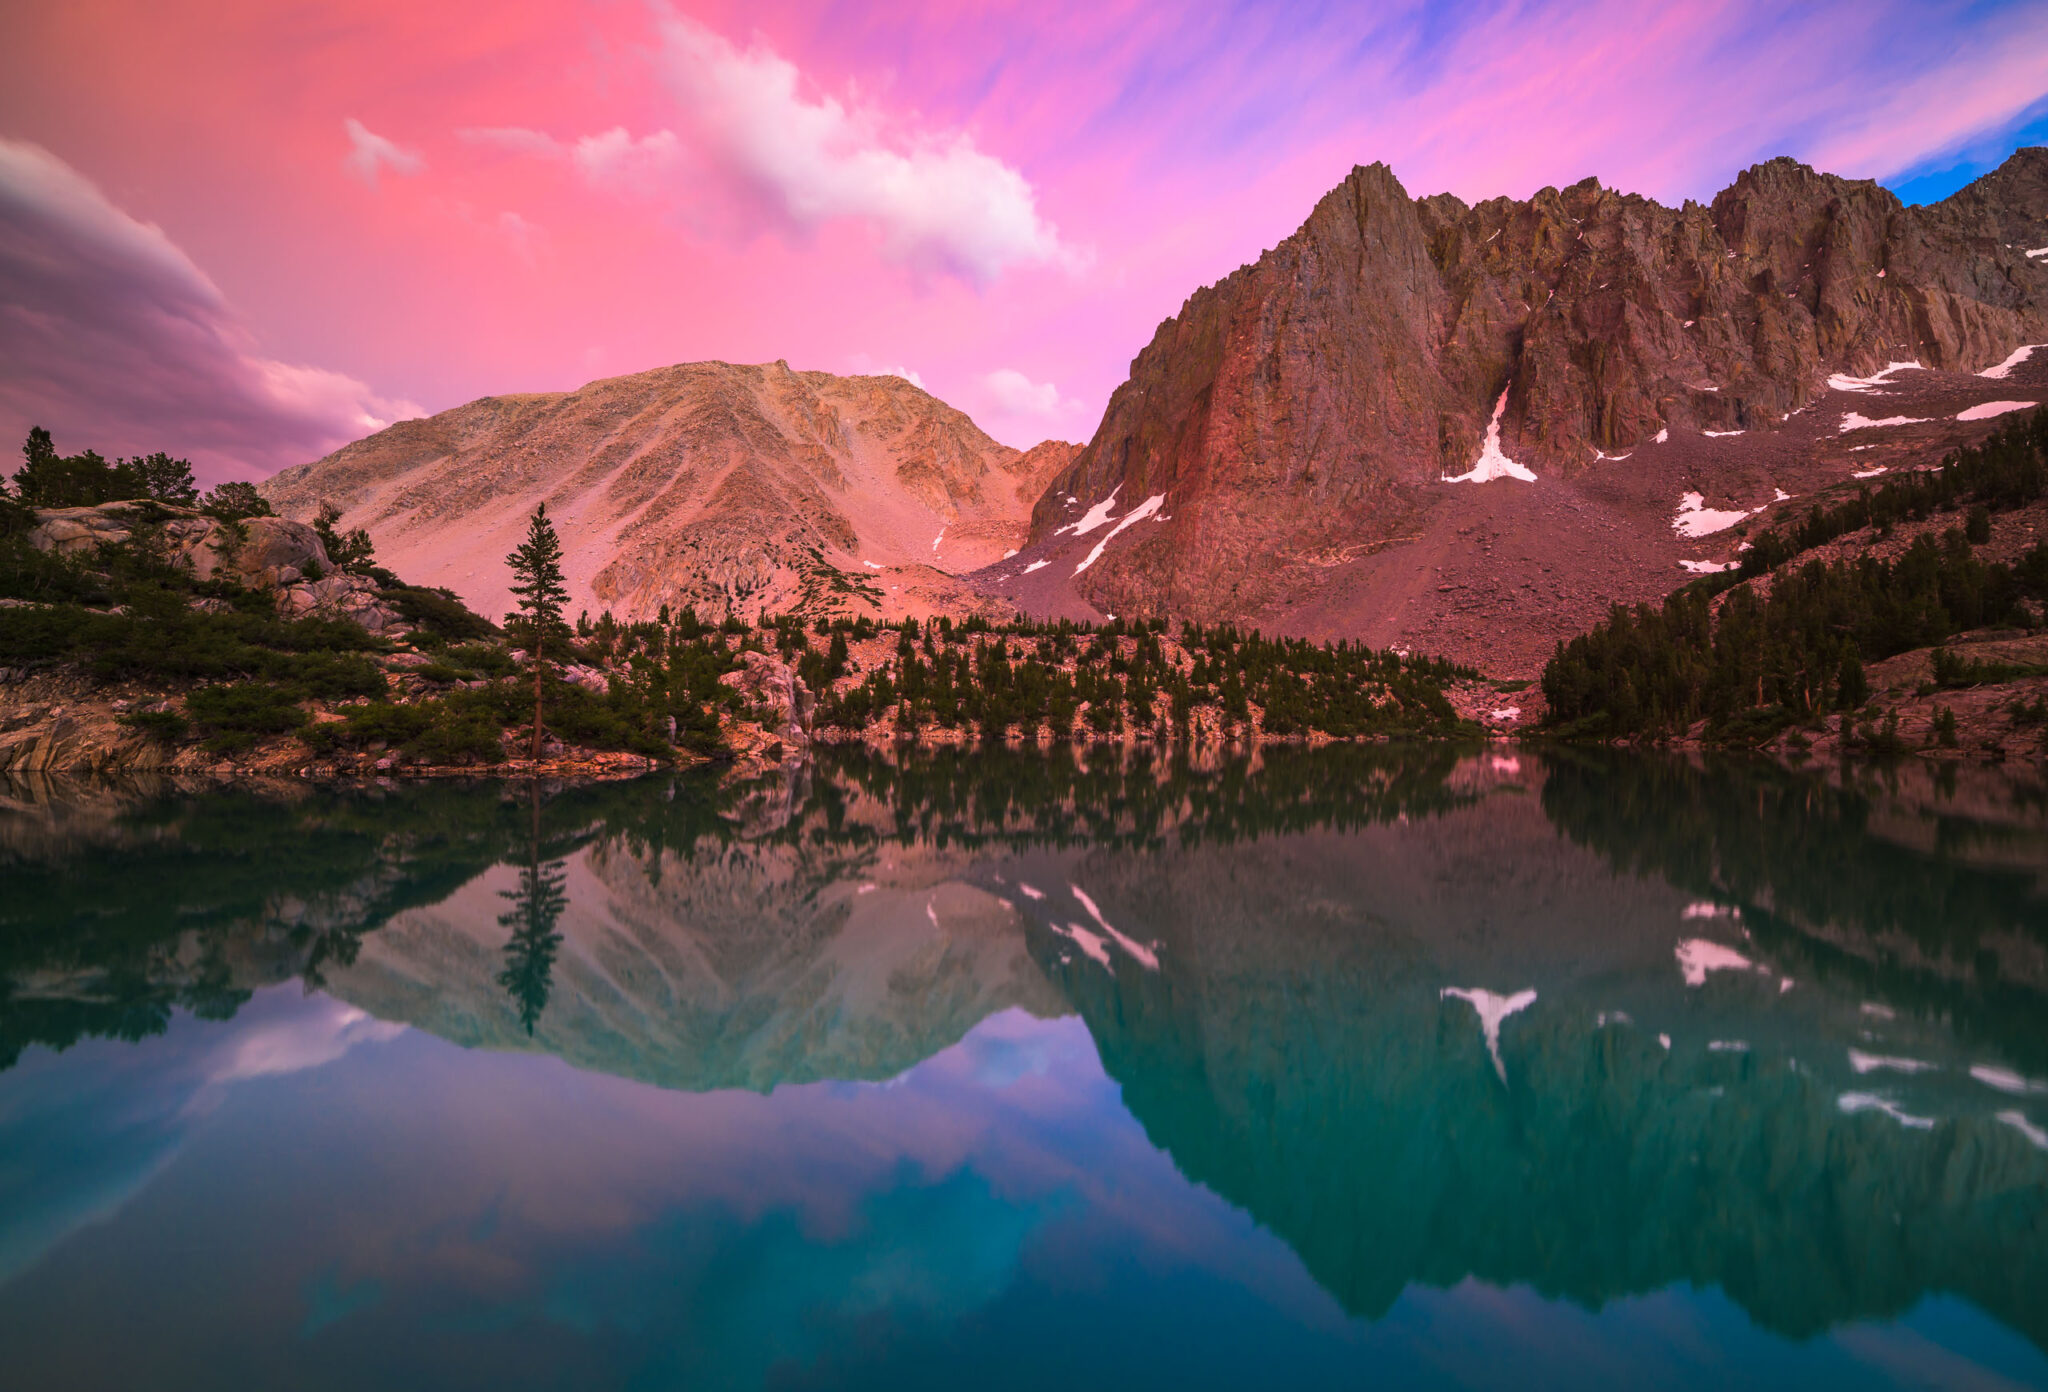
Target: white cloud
{"x":115,"y":340}
{"x":369,"y":152}
{"x":1012,"y":393}
{"x":862,"y":365}
{"x":934,"y":199}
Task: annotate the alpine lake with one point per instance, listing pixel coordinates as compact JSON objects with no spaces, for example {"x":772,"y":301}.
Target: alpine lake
{"x":1363,"y":1066}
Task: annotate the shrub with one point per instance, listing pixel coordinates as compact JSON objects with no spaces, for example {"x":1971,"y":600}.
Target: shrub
{"x":437,"y":611}
{"x":165,"y":726}
{"x":236,"y":715}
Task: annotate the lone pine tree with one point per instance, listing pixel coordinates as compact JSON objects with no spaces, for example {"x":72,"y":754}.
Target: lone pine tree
{"x":537,"y":571}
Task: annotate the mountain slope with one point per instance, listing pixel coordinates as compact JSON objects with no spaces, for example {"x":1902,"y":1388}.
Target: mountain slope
{"x":1578,"y":359}
{"x":710,"y":484}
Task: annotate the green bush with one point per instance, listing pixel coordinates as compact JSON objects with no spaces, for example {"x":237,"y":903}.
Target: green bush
{"x":438,"y":611}
{"x":459,"y":736}
{"x":165,"y":727}
{"x":236,"y":715}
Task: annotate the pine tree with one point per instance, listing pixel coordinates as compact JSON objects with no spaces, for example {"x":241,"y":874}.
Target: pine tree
{"x":351,"y":550}
{"x":537,"y":570}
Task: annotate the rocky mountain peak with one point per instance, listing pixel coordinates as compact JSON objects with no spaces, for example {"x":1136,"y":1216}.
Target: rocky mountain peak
{"x":1309,"y":409}
{"x":719,"y":485}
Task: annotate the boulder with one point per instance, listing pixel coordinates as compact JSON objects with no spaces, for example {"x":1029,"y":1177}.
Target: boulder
{"x":764,"y":681}
{"x":338,"y":596}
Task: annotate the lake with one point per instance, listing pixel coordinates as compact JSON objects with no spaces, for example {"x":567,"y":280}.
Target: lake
{"x":1371,"y":1065}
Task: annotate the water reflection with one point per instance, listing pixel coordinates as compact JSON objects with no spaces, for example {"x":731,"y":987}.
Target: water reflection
{"x":1599,"y":1027}
{"x":537,"y":905}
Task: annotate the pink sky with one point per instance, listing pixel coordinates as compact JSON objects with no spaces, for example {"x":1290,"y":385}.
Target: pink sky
{"x":247,"y":232}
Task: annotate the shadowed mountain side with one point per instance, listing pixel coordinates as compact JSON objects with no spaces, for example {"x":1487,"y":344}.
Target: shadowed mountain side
{"x":1295,"y":1051}
{"x":709,"y":484}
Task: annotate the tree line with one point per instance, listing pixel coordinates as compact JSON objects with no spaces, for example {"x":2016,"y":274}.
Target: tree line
{"x":1755,"y":662}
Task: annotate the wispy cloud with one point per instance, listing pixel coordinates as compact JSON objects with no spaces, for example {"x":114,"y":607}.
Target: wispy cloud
{"x":115,"y":340}
{"x":369,"y":152}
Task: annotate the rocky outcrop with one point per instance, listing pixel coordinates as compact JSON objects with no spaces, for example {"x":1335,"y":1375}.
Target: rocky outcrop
{"x":779,"y":695}
{"x":754,"y":488}
{"x":1299,"y":413}
{"x":258,"y":551}
{"x":267,"y":553}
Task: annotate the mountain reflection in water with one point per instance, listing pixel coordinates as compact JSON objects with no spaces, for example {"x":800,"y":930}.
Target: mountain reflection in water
{"x":1597,"y":1028}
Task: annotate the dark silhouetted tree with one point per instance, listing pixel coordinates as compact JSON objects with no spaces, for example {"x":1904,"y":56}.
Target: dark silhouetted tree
{"x":350,"y":550}
{"x":231,"y":502}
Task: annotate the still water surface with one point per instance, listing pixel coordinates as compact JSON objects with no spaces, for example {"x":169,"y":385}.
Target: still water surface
{"x":1359,"y":1067}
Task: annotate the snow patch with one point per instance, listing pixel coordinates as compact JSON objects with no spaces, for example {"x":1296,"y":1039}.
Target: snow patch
{"x":1088,"y":942}
{"x":1719,"y":434}
{"x":1695,"y":519}
{"x":2018,"y":1122}
{"x":1095,"y":516}
{"x":1987,"y":409}
{"x":1707,"y":567}
{"x":1505,"y":713}
{"x":1035,"y":565}
{"x":1779,"y":495}
{"x":1841,"y":381}
{"x":1870,"y":473}
{"x":1698,"y":956}
{"x":1854,"y":421}
{"x":1147,"y":958}
{"x":1872,"y":1063}
{"x":1702,"y":908}
{"x":2005,"y":1080}
{"x":1030,"y":891}
{"x":1493,"y":1009}
{"x":2012,"y":360}
{"x":2037,"y":253}
{"x":1492,"y":463}
{"x":939,"y":538}
{"x":1854,"y":1102}
{"x":1662,"y":437}
{"x":1137,"y":514}
{"x":870,"y":565}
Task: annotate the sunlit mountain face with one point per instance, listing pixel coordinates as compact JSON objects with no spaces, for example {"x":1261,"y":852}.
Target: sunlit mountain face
{"x":1427,"y":1065}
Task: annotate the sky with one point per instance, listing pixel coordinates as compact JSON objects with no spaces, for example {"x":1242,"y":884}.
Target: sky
{"x":248,"y":231}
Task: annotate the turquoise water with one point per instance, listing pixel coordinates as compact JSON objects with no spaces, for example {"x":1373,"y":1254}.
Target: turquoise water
{"x":1004,"y":1071}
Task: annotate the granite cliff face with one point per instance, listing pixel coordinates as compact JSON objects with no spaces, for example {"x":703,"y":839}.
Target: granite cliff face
{"x":754,"y":487}
{"x":1306,"y":411}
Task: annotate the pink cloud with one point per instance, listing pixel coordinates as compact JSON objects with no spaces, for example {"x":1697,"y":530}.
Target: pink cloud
{"x":609,"y":187}
{"x":369,"y":152}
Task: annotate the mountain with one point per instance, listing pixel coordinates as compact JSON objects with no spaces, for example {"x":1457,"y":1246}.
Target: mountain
{"x":705,"y":483}
{"x":1284,"y":450}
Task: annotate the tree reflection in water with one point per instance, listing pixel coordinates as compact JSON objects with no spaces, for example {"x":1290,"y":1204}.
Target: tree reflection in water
{"x":536,"y":907}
